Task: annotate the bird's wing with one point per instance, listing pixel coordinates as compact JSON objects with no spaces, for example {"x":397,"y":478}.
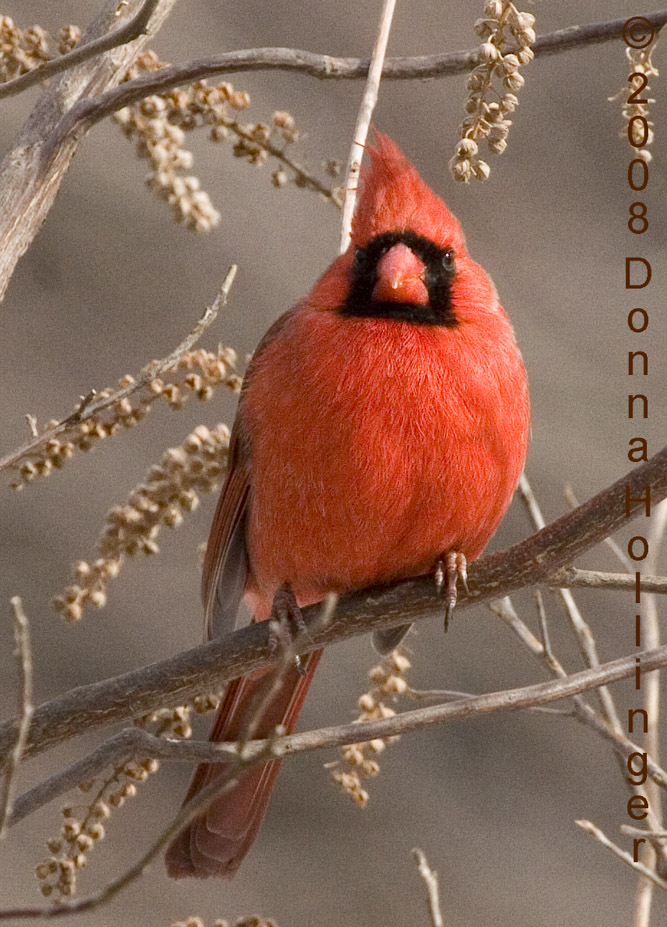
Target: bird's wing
{"x":226,"y":563}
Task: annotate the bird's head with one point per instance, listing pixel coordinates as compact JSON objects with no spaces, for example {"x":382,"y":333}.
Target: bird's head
{"x":407,"y":258}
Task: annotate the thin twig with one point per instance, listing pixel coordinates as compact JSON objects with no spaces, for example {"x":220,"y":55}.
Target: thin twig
{"x":623,"y":746}
{"x":368,"y":101}
{"x":136,"y":742}
{"x":582,"y":632}
{"x":597,"y":579}
{"x":642,"y":832}
{"x":549,"y":655}
{"x":652,"y":857}
{"x":24,"y":664}
{"x":452,"y":695}
{"x":432,"y":891}
{"x":582,"y":710}
{"x":127,"y":33}
{"x":303,"y":176}
{"x":89,"y":407}
{"x":602,"y":838}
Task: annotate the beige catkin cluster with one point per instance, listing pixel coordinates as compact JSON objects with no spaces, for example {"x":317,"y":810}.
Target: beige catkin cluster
{"x":359,"y":761}
{"x":197,"y":373}
{"x":84,"y":825}
{"x":160,"y":141}
{"x":171,"y":490}
{"x":640,"y":62}
{"x":507,"y":36}
{"x":176,"y":723}
{"x":23,"y":49}
{"x":249,"y":920}
{"x":158,"y":125}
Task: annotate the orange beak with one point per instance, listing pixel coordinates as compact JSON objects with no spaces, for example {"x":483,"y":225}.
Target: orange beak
{"x":401,"y":277}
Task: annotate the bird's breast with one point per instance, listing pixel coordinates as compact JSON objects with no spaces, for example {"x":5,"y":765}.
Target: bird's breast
{"x":375,"y":447}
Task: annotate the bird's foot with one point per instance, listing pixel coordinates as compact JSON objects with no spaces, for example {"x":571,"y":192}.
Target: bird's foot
{"x":287,"y":622}
{"x":453,"y":567}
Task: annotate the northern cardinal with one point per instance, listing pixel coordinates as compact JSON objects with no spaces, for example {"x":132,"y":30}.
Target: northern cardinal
{"x":382,"y":428}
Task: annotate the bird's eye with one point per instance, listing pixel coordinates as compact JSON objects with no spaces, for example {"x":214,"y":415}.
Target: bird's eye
{"x":448,"y":260}
{"x":359,"y":259}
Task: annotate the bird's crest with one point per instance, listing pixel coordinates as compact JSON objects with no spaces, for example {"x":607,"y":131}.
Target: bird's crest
{"x":395,"y":198}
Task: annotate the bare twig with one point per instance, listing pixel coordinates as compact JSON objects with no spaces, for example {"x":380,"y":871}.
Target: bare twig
{"x":304,"y":177}
{"x":90,"y":407}
{"x":368,"y":101}
{"x":580,"y":627}
{"x":24,"y":664}
{"x":327,"y":67}
{"x":621,"y":744}
{"x":137,"y":742}
{"x":582,"y":711}
{"x":83,"y":52}
{"x":602,"y":838}
{"x":452,"y":695}
{"x":643,"y":832}
{"x":549,"y":655}
{"x":651,"y":634}
{"x":432,"y":891}
{"x":204,"y":668}
{"x":596,"y":579}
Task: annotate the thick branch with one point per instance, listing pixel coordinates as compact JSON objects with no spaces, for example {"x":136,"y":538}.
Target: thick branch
{"x":135,"y":742}
{"x":33,"y":169}
{"x":83,"y":52}
{"x":204,"y":668}
{"x":327,"y":67}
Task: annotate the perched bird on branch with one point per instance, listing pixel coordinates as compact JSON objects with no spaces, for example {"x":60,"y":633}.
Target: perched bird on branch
{"x":382,"y":428}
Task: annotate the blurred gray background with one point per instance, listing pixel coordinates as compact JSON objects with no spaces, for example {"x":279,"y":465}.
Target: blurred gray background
{"x":111,"y":283}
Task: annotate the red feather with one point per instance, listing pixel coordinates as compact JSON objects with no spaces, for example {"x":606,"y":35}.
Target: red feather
{"x":365,"y":448}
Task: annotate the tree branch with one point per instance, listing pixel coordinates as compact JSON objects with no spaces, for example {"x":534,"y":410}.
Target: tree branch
{"x":326,"y":67}
{"x":133,"y":742}
{"x":24,"y":663}
{"x":35,"y":165}
{"x":83,"y":52}
{"x":595,"y":579}
{"x":602,"y":838}
{"x":180,"y":678}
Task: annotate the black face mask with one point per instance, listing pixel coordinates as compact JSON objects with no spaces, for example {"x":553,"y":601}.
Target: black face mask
{"x":440,"y":270}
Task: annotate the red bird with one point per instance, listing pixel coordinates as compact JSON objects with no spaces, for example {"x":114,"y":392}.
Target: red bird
{"x":382,"y":428}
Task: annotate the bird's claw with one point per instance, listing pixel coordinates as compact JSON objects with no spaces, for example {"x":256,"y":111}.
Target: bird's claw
{"x":447,"y":574}
{"x":287,"y":622}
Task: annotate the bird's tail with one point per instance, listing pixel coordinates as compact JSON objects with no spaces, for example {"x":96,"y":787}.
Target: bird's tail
{"x":216,"y":843}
